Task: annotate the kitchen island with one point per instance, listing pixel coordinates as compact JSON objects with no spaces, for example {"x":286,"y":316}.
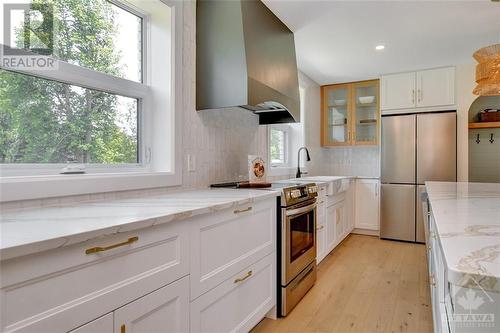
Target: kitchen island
{"x":463,"y":242}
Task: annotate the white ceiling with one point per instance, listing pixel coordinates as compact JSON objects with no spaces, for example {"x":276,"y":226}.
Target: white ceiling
{"x":335,"y":40}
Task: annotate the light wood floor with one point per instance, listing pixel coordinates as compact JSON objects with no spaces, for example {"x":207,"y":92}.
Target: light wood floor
{"x":365,"y":285}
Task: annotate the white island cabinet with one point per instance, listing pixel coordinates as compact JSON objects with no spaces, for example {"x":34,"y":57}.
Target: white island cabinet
{"x":462,"y":231}
{"x":211,"y":267}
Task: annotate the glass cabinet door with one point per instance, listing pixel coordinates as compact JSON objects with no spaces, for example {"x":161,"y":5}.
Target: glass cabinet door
{"x":336,"y":120}
{"x":366,"y":112}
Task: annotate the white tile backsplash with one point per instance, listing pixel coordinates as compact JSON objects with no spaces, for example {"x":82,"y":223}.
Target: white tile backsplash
{"x":351,"y":161}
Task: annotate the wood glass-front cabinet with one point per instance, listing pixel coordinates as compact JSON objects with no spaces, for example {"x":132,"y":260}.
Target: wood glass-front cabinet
{"x":350,"y":114}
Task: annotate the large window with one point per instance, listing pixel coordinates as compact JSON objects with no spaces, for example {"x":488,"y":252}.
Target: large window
{"x":104,"y":98}
{"x":58,"y":123}
{"x":94,"y":106}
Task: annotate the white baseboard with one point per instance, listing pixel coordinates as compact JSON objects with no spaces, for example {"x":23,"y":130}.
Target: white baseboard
{"x":368,"y":232}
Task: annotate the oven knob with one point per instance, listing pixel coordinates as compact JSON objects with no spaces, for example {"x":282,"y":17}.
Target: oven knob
{"x":295,"y":194}
{"x":313,"y":189}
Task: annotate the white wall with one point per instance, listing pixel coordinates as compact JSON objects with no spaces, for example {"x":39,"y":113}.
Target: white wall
{"x":465,"y":80}
{"x":311,"y":122}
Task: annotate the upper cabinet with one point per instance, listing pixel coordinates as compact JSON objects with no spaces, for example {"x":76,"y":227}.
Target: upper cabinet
{"x":436,"y":87}
{"x":426,"y":89}
{"x":336,"y":115}
{"x":397,"y":91}
{"x":350,"y":114}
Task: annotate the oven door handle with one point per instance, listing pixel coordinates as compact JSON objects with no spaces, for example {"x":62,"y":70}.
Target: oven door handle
{"x":300,"y":210}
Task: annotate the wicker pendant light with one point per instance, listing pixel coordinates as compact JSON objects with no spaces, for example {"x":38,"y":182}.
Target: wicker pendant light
{"x":488,"y":71}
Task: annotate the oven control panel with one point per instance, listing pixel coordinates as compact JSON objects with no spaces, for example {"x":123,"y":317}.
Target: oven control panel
{"x":299,"y":193}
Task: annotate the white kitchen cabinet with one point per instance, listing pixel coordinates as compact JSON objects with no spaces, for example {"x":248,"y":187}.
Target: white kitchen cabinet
{"x":164,"y":310}
{"x":436,"y":87}
{"x":240,"y":302}
{"x":425,"y":90}
{"x":336,"y":227}
{"x":367,"y":204}
{"x":397,"y":91}
{"x":350,"y":208}
{"x":340,"y":222}
{"x":141,"y":280}
{"x":224,"y":243}
{"x":321,"y":249}
{"x":70,"y":286}
{"x":100,"y":325}
{"x":330,"y":231}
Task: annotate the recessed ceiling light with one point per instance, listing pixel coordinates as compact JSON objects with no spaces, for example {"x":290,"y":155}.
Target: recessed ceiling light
{"x":379,"y":47}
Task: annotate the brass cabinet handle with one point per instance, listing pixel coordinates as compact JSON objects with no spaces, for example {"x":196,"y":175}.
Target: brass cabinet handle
{"x":238,"y":211}
{"x":249,"y":273}
{"x":429,"y":247}
{"x":413,"y":96}
{"x":106,"y":248}
{"x":320,"y":227}
{"x":122,"y":329}
{"x":432,"y":281}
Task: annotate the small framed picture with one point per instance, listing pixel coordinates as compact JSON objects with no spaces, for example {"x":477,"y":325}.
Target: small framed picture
{"x":256,"y":169}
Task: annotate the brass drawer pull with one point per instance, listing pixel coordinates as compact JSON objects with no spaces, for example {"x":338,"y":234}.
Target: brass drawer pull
{"x":432,"y":281}
{"x":106,"y":248}
{"x":243,"y":278}
{"x":320,"y":227}
{"x":238,"y":211}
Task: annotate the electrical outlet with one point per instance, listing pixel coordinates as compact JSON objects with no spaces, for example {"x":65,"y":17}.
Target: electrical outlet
{"x":191,"y":159}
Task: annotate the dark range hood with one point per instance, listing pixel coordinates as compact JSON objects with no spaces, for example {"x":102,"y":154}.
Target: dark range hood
{"x":245,"y":57}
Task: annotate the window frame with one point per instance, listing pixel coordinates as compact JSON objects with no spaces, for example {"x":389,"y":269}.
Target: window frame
{"x":286,"y":149}
{"x":165,"y":166}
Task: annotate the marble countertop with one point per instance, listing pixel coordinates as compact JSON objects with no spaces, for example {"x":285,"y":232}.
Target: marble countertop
{"x":38,"y":229}
{"x":467,"y":218}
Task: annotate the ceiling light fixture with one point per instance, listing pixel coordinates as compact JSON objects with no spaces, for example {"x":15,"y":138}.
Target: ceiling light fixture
{"x":488,"y":71}
{"x":379,"y":47}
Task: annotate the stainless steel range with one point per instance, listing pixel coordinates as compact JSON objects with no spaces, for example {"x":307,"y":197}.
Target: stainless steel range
{"x":296,"y":232}
{"x":296,"y":243}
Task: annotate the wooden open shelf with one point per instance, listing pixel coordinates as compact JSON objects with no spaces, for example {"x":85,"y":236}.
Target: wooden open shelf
{"x":491,"y":124}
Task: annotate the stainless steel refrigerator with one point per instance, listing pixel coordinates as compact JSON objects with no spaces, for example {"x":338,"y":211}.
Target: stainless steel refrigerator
{"x":415,"y":148}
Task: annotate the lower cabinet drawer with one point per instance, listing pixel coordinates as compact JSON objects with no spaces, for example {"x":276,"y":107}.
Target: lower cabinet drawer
{"x":224,"y":243}
{"x":58,"y":290}
{"x":240,"y":302}
{"x":100,"y":325}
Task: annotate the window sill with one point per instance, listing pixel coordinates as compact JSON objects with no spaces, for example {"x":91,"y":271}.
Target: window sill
{"x":281,"y":171}
{"x":39,"y":187}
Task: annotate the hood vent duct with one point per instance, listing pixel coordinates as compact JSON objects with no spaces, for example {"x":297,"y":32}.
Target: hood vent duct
{"x":245,"y":57}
